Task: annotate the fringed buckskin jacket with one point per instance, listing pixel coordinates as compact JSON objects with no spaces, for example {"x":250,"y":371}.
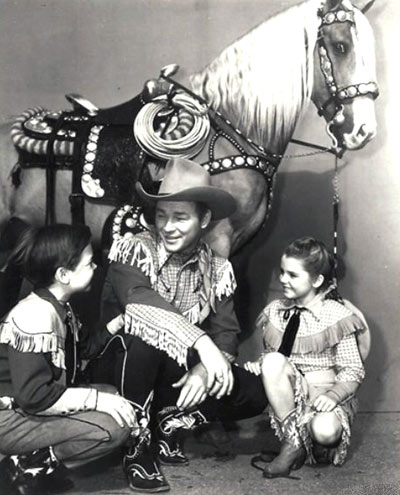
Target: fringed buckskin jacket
{"x":171,"y":299}
{"x":37,"y":365}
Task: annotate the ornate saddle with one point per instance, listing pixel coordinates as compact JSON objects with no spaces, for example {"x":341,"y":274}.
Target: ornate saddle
{"x":106,"y":149}
{"x":98,"y":145}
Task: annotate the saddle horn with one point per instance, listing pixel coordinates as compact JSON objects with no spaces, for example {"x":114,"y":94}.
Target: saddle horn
{"x":80,"y":103}
{"x":169,"y":70}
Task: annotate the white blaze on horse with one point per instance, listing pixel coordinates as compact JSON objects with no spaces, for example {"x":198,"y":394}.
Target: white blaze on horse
{"x":255,"y":92}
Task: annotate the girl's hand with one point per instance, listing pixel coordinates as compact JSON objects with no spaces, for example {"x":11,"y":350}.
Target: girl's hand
{"x":254,"y":367}
{"x":324,"y":403}
{"x":219,"y":371}
{"x":193,"y":385}
{"x":117,"y":407}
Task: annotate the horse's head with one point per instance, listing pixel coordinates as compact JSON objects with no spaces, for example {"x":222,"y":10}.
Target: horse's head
{"x":344,"y":74}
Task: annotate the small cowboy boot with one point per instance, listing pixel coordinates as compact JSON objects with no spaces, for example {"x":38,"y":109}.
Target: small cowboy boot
{"x":36,"y":473}
{"x":170,"y":423}
{"x":141,"y":469}
{"x":292,"y":454}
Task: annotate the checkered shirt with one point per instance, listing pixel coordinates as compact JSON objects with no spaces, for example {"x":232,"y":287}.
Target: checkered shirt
{"x":327,"y":322}
{"x":194,"y":288}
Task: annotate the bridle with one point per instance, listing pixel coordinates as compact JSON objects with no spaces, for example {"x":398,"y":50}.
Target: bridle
{"x":338,"y":96}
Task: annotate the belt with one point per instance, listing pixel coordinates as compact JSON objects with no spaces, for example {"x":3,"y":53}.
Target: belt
{"x":320,"y":376}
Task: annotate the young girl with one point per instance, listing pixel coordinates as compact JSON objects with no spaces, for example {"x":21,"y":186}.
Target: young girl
{"x":311,"y":367}
{"x":45,"y":422}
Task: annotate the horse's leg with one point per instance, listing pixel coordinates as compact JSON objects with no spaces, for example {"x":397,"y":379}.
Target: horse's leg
{"x":219,"y":237}
{"x":250,"y":191}
{"x":30,"y":202}
{"x":10,"y":276}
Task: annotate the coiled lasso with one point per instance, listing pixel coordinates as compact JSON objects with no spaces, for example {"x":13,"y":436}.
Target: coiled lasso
{"x":185,"y":140}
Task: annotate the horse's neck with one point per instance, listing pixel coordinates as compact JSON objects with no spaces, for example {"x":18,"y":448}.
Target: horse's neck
{"x":227,"y":143}
{"x":263,"y":81}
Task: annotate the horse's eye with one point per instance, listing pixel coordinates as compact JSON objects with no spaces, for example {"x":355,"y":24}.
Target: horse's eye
{"x":340,"y":47}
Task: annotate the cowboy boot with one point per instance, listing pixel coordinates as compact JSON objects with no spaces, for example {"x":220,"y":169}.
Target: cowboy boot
{"x":170,"y":423}
{"x":292,"y":454}
{"x":37,"y":473}
{"x":141,"y":469}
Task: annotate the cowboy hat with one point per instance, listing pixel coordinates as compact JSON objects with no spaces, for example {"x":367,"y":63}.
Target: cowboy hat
{"x":185,"y":180}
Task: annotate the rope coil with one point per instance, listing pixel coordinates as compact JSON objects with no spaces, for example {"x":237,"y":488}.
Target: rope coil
{"x":185,"y":140}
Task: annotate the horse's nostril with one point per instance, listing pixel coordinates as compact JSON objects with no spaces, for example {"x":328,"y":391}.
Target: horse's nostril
{"x":362,"y":131}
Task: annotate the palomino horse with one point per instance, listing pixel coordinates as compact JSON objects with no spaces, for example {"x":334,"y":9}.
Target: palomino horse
{"x":253,"y":95}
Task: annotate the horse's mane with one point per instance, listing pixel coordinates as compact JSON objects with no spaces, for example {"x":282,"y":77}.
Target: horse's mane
{"x":263,"y":80}
{"x":366,"y":44}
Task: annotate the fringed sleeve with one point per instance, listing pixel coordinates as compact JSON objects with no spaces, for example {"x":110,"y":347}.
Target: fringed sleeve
{"x":225,"y":283}
{"x":137,"y":250}
{"x":348,"y":361}
{"x":165,"y":330}
{"x":35,"y":326}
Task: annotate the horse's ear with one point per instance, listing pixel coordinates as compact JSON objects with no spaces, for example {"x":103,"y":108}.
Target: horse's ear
{"x":363,"y":5}
{"x":367,"y":6}
{"x":331,"y":5}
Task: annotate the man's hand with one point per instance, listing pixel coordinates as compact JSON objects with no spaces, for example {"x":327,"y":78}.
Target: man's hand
{"x":219,"y":371}
{"x":324,"y":403}
{"x":194,"y":387}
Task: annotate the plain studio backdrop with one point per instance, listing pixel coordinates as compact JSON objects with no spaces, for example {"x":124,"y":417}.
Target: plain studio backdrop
{"x":106,"y":49}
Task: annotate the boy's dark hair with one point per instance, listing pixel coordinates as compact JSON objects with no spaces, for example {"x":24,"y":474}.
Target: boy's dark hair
{"x":316,"y":258}
{"x":40,"y":251}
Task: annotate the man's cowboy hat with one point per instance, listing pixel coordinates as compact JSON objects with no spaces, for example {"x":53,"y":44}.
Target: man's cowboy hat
{"x":185,"y":180}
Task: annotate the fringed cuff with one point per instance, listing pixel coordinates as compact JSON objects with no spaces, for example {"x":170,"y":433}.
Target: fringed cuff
{"x":167,"y":331}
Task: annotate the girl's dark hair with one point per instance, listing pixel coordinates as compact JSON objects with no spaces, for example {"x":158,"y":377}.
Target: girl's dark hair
{"x":40,"y":251}
{"x":316,"y":258}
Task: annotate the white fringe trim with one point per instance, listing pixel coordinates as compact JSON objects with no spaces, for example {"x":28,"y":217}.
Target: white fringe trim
{"x":134,"y":251}
{"x":193,"y":314}
{"x":11,"y":335}
{"x":226,"y":284}
{"x":156,"y":336}
{"x":26,"y":342}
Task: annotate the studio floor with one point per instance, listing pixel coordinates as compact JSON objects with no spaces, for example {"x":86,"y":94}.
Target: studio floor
{"x":220,"y":464}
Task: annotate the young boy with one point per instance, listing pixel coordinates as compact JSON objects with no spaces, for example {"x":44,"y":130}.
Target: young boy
{"x":46,"y":422}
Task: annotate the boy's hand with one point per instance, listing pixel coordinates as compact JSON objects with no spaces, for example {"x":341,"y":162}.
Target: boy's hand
{"x":324,"y":403}
{"x":117,"y":407}
{"x":116,"y":324}
{"x":254,"y":367}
